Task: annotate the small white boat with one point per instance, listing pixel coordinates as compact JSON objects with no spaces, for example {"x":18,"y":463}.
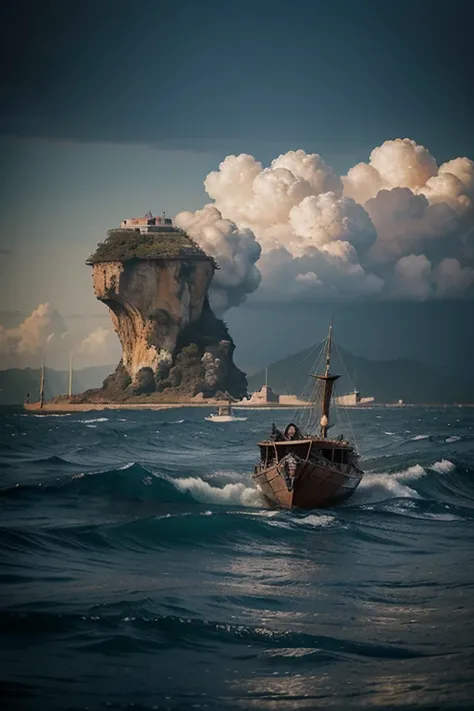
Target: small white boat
{"x":224,"y":414}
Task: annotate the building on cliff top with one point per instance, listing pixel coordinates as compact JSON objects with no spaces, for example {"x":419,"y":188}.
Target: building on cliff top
{"x":148,"y":223}
{"x":148,"y":238}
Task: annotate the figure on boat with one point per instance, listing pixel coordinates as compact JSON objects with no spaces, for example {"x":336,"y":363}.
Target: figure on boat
{"x":309,"y":471}
{"x":292,"y":432}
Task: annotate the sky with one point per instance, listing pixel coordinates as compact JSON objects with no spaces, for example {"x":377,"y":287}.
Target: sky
{"x":110,"y":109}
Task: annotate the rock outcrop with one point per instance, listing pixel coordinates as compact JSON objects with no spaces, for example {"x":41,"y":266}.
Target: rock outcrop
{"x":155,"y":286}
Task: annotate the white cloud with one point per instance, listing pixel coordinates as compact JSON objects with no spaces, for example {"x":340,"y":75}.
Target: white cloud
{"x":451,"y":279}
{"x":374,"y":233}
{"x":32,"y":336}
{"x":236,"y":250}
{"x":43,"y":334}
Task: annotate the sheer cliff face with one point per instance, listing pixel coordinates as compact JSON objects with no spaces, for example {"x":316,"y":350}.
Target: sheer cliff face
{"x":151,"y":303}
{"x":155,"y":285}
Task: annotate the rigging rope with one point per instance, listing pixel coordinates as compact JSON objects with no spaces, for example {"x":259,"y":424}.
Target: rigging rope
{"x":339,"y":410}
{"x":307,"y":417}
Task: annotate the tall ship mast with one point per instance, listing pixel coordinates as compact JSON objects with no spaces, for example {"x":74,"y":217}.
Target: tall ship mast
{"x":42,"y":382}
{"x":328,"y":385}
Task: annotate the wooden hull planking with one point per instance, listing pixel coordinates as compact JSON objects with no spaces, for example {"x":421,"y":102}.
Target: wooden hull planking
{"x":313,"y":486}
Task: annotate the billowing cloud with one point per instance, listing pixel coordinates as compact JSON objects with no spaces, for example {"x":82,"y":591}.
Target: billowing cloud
{"x":44,"y":335}
{"x":236,"y":250}
{"x":398,"y":226}
{"x":451,"y":279}
{"x":33,"y":335}
{"x":96,"y":341}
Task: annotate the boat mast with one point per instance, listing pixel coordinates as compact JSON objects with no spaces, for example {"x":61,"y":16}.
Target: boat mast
{"x":42,"y":382}
{"x":70,"y":374}
{"x":328,"y":381}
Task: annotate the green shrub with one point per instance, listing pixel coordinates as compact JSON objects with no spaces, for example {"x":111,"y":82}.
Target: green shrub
{"x":125,"y":245}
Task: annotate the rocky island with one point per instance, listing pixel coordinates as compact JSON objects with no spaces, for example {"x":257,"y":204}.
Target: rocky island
{"x":154,"y":279}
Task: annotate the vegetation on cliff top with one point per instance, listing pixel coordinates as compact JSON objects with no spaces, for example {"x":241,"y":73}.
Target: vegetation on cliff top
{"x":125,"y":245}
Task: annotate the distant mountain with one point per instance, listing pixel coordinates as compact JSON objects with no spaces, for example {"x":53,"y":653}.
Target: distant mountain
{"x":15,"y":383}
{"x":386,"y":381}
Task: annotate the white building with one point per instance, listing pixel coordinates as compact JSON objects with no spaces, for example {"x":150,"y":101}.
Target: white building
{"x":353,"y":399}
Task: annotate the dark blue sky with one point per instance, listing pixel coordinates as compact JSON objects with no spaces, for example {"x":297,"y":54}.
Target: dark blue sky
{"x":187,"y":74}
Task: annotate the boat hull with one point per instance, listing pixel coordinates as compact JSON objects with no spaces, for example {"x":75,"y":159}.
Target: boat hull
{"x":307,"y":485}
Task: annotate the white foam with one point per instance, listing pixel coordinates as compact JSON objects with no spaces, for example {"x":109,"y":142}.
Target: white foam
{"x":279,"y":524}
{"x":418,"y":437}
{"x":383,"y":486}
{"x":379,"y":487}
{"x":230,"y":477}
{"x":96,"y":419}
{"x":235,"y":493}
{"x":443,"y":467}
{"x":453,"y":439}
{"x":66,"y":414}
{"x":315,"y":520}
{"x":126,"y":466}
{"x":389,"y":433}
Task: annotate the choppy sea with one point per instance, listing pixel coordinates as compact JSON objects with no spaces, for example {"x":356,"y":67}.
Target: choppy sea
{"x":139,"y":568}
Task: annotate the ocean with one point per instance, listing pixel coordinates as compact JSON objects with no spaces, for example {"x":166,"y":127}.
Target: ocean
{"x":140,"y":569}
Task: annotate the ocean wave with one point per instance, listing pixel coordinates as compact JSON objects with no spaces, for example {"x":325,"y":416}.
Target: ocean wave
{"x":167,"y":531}
{"x":443,"y":467}
{"x":237,"y":494}
{"x":414,"y":482}
{"x":379,"y":486}
{"x":316,"y":520}
{"x":188,"y":632}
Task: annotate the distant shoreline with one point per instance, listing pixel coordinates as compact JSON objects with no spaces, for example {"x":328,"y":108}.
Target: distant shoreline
{"x":52,"y":408}
{"x":86,"y":407}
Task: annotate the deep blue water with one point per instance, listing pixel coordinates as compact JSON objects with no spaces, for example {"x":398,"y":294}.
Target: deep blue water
{"x":140,"y":569}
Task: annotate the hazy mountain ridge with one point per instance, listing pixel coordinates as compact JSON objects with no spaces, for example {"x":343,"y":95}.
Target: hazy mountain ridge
{"x":15,"y":383}
{"x":386,"y":381}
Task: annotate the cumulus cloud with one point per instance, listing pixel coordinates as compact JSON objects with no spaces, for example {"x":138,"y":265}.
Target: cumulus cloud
{"x":451,"y":279}
{"x":32,"y":335}
{"x":235,"y":249}
{"x":290,"y":223}
{"x":97,"y":341}
{"x":398,"y":226}
{"x":44,"y":335}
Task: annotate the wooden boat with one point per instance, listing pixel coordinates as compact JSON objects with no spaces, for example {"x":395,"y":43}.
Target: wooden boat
{"x":225,"y":414}
{"x":313,"y":471}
